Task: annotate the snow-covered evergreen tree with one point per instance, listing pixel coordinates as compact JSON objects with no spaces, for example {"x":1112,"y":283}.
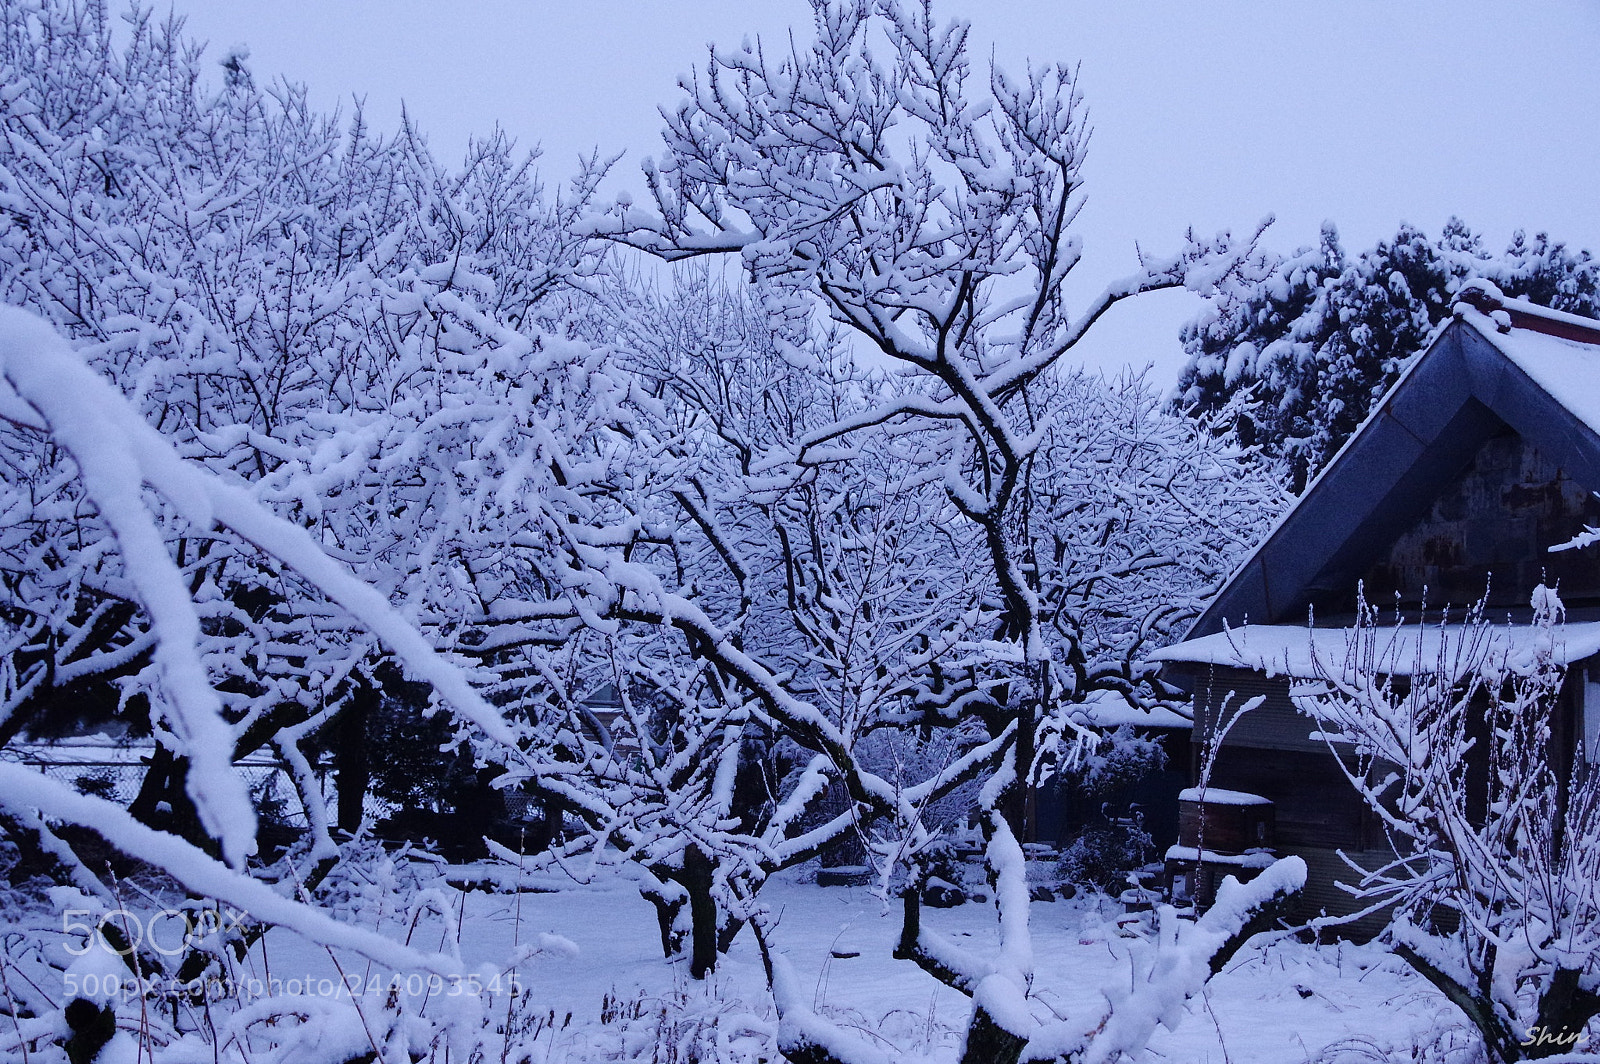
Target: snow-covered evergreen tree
{"x":1322,"y":337}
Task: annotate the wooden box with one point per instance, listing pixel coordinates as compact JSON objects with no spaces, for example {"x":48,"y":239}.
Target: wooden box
{"x":1222,"y":821}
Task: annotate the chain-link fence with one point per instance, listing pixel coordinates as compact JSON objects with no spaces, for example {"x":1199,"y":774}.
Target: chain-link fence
{"x":116,"y":773}
{"x":117,"y":777}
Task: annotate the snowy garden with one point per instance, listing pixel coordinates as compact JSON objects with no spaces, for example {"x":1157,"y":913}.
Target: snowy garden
{"x":524,"y":622}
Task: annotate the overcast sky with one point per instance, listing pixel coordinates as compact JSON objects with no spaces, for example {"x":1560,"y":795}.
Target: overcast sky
{"x":1365,"y":112}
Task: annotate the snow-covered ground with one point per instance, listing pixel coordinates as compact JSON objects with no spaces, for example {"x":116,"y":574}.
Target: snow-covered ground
{"x":1289,"y":1001}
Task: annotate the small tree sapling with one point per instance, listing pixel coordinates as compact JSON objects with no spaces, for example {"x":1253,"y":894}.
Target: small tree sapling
{"x":1449,"y":733}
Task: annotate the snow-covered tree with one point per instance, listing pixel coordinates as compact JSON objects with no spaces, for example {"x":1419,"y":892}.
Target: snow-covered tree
{"x":1322,"y":336}
{"x":857,"y":582}
{"x":351,"y":431}
{"x":1135,"y":518}
{"x":146,"y":496}
{"x":872,"y":180}
{"x":1494,"y":892}
{"x":371,"y":341}
{"x":791,"y":524}
{"x":841,"y":584}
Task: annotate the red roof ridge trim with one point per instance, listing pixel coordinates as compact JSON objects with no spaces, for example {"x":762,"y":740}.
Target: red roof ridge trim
{"x":1485,"y":298}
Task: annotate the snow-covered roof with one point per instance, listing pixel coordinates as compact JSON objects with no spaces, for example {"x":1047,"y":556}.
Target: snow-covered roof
{"x":1220,"y":796}
{"x":1566,"y":367}
{"x":1509,"y":315}
{"x":1190,"y":855}
{"x":1499,"y":362}
{"x":1297,"y":651}
{"x":1107,"y":709}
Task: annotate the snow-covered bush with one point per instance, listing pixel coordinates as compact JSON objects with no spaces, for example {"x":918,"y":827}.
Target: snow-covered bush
{"x":1103,"y":854}
{"x":1123,"y":757}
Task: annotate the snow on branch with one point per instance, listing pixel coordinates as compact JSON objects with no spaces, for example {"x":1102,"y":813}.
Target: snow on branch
{"x":118,"y":454}
{"x":205,"y":876}
{"x":1178,"y":965}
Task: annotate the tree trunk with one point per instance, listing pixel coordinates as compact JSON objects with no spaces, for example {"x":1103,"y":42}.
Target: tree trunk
{"x":1498,"y":1038}
{"x":727,"y":931}
{"x":548,"y":831}
{"x":702,"y":913}
{"x":667,"y":910}
{"x":989,"y":1043}
{"x":1013,"y":803}
{"x":844,"y":851}
{"x":153,"y":787}
{"x":163,"y":801}
{"x":350,"y":755}
{"x":92,"y":1026}
{"x":1565,"y":1009}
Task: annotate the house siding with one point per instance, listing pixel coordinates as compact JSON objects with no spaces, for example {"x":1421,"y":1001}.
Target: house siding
{"x":1269,"y":751}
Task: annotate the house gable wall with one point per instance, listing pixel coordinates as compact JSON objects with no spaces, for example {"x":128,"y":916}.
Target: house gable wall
{"x":1492,"y":529}
{"x":1269,"y":751}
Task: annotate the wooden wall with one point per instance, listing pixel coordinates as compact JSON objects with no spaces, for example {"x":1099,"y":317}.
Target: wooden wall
{"x":1269,"y":752}
{"x":1492,"y":528}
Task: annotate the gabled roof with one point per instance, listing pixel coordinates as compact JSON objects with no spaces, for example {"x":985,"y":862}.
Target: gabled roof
{"x":1498,"y":363}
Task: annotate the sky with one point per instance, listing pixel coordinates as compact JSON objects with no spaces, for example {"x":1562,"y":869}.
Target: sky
{"x":1212,"y":115}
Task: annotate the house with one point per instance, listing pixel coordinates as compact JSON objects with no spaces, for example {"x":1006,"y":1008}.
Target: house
{"x":1483,"y":457}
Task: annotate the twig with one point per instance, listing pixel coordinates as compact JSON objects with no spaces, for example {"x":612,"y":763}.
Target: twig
{"x":138,"y":973}
{"x":516,"y":937}
{"x":1205,"y":999}
{"x":11,"y":1004}
{"x":355,"y":999}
